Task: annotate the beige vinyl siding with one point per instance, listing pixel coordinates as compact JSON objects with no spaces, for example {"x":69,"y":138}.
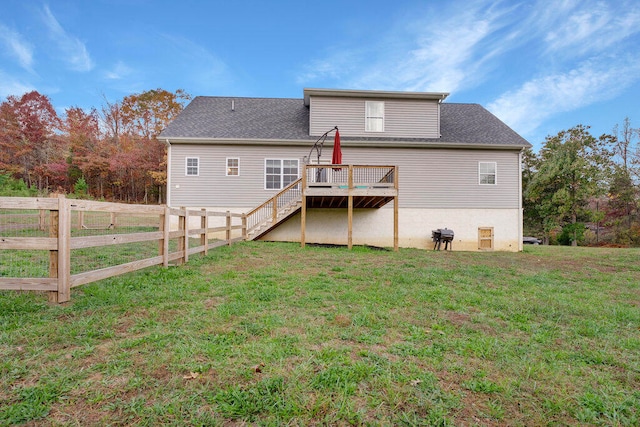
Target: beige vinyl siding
{"x":447,"y":178}
{"x":428,"y":178}
{"x":402,"y":118}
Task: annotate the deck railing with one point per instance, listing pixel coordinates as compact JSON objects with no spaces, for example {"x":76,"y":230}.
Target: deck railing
{"x":351,"y":176}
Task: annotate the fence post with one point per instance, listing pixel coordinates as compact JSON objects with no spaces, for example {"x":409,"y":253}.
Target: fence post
{"x":204,"y":237}
{"x":163,"y":244}
{"x":183,"y":229}
{"x":64,"y":250}
{"x":186,"y":235}
{"x":228,"y":228}
{"x":42,"y":220}
{"x":53,"y":255}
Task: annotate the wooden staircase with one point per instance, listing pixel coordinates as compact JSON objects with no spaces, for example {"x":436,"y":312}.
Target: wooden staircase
{"x":274,"y":211}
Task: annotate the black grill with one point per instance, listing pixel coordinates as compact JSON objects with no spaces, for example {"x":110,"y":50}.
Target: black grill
{"x":442,"y":235}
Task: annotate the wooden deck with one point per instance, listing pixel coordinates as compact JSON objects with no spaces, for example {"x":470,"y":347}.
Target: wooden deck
{"x":328,"y":187}
{"x":349,"y":187}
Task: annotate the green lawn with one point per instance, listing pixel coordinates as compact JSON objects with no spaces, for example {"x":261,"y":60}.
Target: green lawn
{"x":272,"y":334}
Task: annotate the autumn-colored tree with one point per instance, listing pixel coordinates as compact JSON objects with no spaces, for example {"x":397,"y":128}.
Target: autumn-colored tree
{"x":623,"y":203}
{"x":139,"y":166}
{"x":34,"y":150}
{"x":87,"y":157}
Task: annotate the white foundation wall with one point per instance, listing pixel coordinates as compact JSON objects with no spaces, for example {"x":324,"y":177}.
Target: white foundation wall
{"x":375,"y":227}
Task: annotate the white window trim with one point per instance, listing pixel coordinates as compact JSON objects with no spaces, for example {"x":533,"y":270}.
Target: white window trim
{"x":495,"y":173}
{"x":186,"y":166}
{"x":228,"y":167}
{"x":281,"y":172}
{"x":366,"y":117}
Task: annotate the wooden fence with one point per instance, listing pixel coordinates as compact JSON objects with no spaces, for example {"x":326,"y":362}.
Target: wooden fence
{"x":63,"y":227}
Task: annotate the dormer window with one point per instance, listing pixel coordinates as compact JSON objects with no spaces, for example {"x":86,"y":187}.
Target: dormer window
{"x":374,"y":116}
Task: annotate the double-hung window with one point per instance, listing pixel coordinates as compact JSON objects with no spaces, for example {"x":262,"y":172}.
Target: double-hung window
{"x":487,"y":173}
{"x":374,"y":116}
{"x":233,"y":166}
{"x":192,"y":166}
{"x":278,"y":173}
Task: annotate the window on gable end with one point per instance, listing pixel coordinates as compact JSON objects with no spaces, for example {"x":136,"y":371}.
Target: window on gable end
{"x":487,"y":173}
{"x":374,"y":116}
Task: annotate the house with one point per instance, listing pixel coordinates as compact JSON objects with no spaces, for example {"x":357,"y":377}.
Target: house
{"x":411,"y":164}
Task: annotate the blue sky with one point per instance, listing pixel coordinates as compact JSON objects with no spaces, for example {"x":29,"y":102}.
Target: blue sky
{"x":540,"y":66}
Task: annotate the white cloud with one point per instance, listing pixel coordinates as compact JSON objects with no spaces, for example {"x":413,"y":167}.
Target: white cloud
{"x":588,"y":27}
{"x":119,"y":71}
{"x":525,"y":108}
{"x":17,"y":47}
{"x":11,"y":86}
{"x":426,"y":52}
{"x":75,"y":51}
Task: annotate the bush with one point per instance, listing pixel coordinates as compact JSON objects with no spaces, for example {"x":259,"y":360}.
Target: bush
{"x":571,"y":232}
{"x":80,"y":187}
{"x":11,"y":187}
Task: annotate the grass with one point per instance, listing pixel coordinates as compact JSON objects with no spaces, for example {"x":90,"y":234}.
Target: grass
{"x":272,"y":334}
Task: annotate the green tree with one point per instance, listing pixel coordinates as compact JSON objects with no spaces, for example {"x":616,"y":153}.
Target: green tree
{"x":533,"y":222}
{"x":572,"y":168}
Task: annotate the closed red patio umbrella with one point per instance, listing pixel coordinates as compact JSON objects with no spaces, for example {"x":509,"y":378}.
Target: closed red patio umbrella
{"x":336,"y":159}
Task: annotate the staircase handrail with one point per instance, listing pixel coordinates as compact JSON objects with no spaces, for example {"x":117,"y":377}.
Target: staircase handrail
{"x":270,"y":208}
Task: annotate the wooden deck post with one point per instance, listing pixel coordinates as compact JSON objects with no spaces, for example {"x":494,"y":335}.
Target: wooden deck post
{"x":395,"y":211}
{"x":350,"y":210}
{"x":303,"y":208}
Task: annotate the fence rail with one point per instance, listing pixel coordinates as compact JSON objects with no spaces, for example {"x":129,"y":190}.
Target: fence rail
{"x":61,"y":243}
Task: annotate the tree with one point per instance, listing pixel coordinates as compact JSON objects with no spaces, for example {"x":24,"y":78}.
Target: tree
{"x":533,"y":222}
{"x":133,"y":125}
{"x":572,"y":167}
{"x":30,"y":137}
{"x":623,"y":191}
{"x":87,"y":158}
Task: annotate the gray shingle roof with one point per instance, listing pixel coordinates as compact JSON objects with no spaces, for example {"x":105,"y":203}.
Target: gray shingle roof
{"x":288,"y":119}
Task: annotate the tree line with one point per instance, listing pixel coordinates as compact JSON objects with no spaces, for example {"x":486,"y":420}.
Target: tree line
{"x":579,"y":189}
{"x":111,"y":154}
